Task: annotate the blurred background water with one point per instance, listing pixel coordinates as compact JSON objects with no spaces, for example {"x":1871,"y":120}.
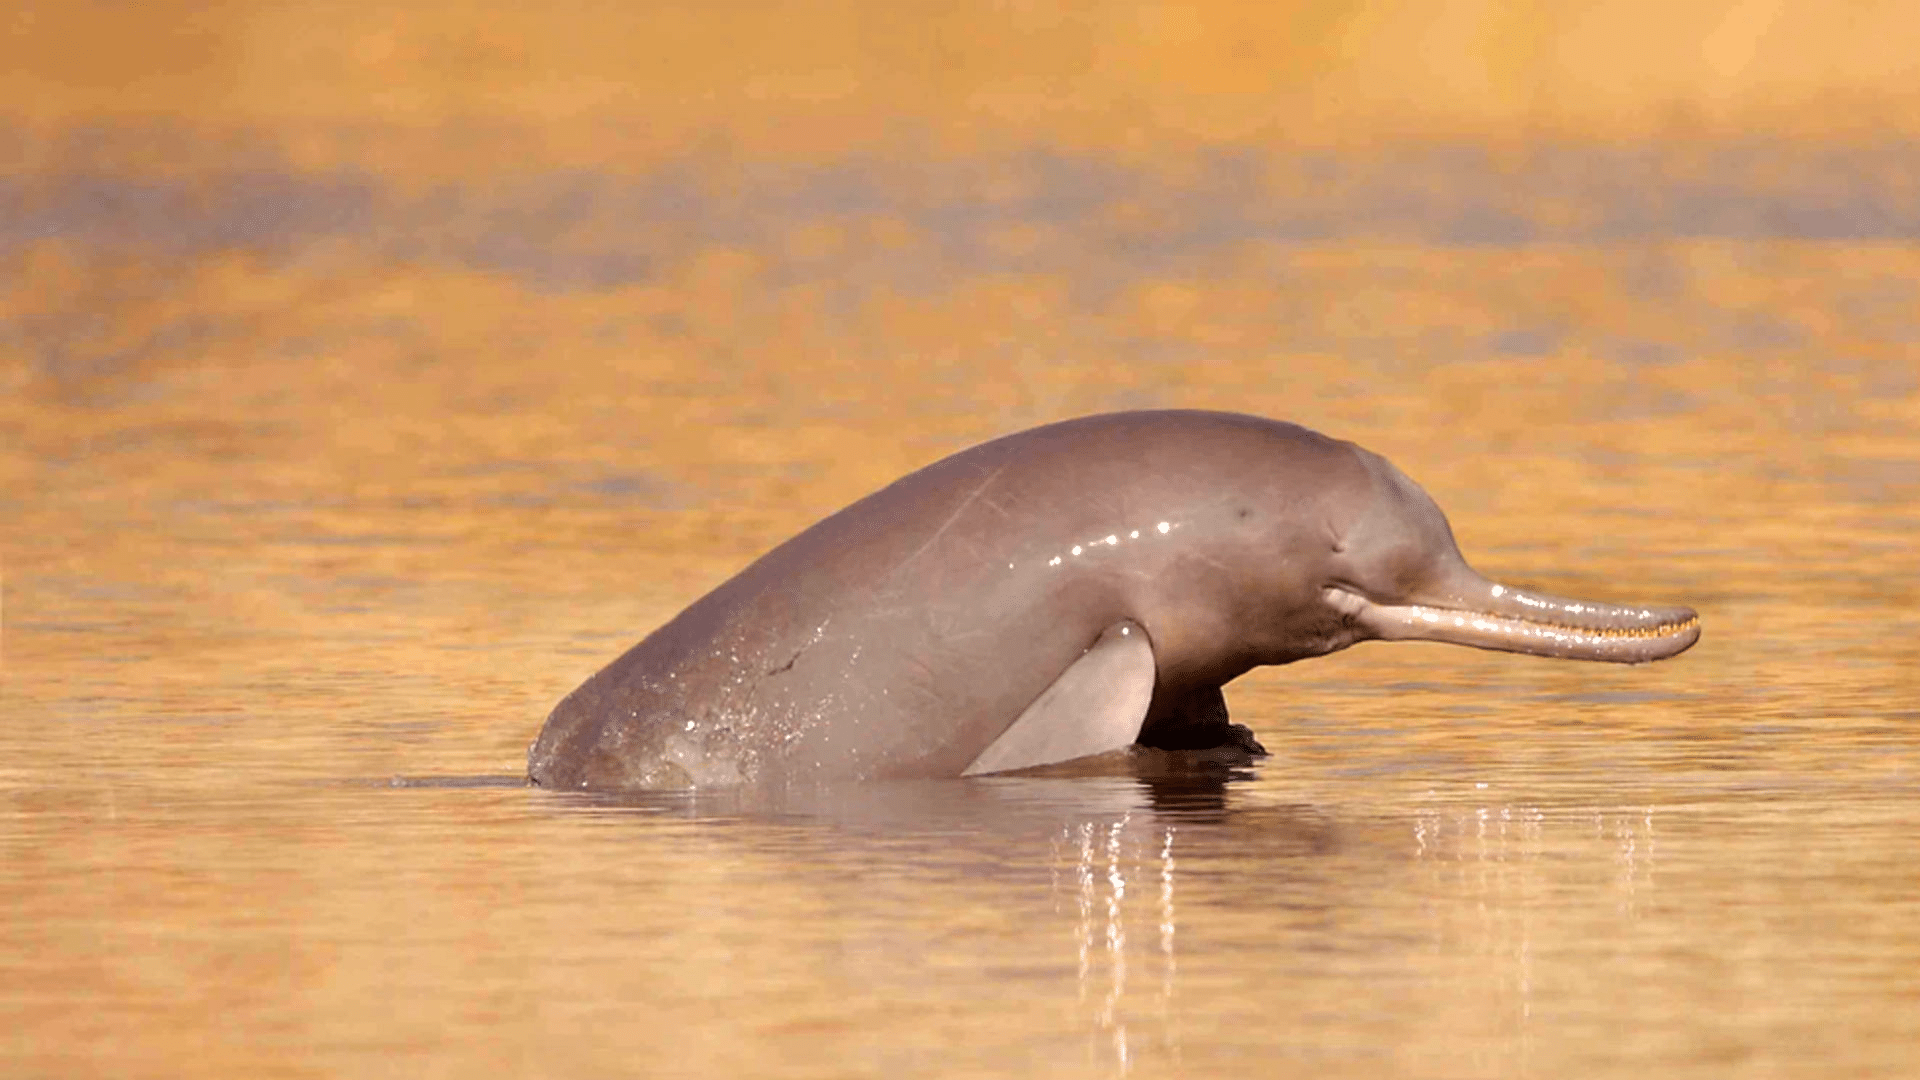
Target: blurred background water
{"x":369,"y":376}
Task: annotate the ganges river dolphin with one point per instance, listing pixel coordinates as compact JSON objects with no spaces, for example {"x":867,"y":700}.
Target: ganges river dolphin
{"x":1058,"y":593}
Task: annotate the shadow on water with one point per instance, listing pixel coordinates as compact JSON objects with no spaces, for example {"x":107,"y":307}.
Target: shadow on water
{"x":1193,"y":787}
{"x":502,"y":780}
{"x":1148,"y":788}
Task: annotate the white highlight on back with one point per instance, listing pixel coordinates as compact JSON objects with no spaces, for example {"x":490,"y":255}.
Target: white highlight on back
{"x":1112,"y":540}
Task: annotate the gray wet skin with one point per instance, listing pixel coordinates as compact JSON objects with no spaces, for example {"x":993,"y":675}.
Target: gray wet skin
{"x":1061,"y":591}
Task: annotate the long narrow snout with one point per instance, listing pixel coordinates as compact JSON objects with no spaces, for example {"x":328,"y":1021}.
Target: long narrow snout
{"x":1470,"y":610}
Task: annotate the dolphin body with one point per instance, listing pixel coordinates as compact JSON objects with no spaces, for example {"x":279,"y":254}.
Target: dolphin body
{"x":1053,"y":594}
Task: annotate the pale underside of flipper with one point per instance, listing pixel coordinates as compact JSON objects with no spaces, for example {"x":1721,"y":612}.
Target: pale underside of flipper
{"x":1095,"y":706}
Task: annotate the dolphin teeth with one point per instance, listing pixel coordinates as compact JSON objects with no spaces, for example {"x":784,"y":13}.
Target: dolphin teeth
{"x":1482,"y":619}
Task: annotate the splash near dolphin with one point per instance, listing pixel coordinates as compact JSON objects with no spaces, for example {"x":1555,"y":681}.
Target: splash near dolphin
{"x":1057,"y":593}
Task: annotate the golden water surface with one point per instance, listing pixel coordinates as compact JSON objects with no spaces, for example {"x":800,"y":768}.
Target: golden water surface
{"x":368,"y":382}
